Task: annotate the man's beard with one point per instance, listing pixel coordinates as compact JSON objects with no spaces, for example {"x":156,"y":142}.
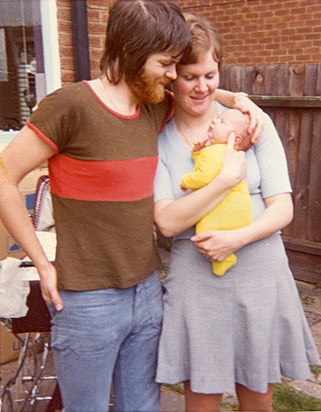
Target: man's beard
{"x":147,"y":89}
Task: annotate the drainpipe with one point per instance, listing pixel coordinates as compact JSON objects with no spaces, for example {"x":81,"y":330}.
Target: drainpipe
{"x":80,"y":39}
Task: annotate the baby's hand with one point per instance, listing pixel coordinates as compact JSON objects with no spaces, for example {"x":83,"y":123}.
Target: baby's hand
{"x":210,"y":132}
{"x":183,"y":188}
{"x":199,"y":145}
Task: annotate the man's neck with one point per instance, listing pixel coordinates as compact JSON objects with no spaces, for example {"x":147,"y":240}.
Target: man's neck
{"x":117,"y":97}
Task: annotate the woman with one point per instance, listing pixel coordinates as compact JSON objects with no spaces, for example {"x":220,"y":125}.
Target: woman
{"x":246,"y":329}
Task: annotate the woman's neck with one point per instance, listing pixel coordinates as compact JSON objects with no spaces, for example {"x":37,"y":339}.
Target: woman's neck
{"x":194,"y":129}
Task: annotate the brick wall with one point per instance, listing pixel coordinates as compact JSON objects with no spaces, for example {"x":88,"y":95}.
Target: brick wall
{"x":253,"y":31}
{"x":265,"y":31}
{"x":65,"y":41}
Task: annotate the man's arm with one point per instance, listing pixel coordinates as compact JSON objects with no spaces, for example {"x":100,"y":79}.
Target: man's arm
{"x":21,"y":156}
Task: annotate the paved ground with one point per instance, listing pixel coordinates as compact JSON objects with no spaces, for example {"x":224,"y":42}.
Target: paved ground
{"x":172,"y":401}
{"x":311,"y":299}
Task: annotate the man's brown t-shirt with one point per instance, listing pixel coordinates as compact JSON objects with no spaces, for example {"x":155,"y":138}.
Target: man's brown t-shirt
{"x":102,"y":187}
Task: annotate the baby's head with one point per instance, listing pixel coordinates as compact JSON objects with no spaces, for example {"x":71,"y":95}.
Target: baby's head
{"x":231,"y":120}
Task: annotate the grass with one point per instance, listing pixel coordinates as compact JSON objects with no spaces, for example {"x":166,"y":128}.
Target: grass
{"x":316,"y":370}
{"x":178,"y":387}
{"x":285,"y":399}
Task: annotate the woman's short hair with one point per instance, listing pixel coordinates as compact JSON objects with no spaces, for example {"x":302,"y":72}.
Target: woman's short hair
{"x":137,"y":29}
{"x":205,"y":38}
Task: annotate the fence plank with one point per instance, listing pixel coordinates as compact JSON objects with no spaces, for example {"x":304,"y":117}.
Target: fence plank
{"x":314,"y":201}
{"x":296,"y":80}
{"x":303,"y":102}
{"x":318,"y":81}
{"x":310,"y":80}
{"x":303,"y":128}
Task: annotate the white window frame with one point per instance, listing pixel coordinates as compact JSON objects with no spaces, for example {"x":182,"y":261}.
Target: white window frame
{"x":50,"y":41}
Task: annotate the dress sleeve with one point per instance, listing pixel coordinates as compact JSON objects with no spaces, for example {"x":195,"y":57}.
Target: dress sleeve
{"x":272,"y":161}
{"x":162,"y":182}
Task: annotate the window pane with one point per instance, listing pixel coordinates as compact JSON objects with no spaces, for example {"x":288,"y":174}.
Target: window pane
{"x":22,"y":68}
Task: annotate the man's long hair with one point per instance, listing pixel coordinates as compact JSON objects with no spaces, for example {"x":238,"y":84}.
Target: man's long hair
{"x":137,"y":29}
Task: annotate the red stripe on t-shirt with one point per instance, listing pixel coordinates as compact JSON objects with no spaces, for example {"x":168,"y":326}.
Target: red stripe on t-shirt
{"x":112,"y":180}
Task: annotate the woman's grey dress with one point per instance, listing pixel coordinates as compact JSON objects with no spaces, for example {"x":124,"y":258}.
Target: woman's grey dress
{"x":247,"y":326}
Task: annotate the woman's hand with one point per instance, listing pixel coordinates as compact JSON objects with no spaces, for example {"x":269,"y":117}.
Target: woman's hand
{"x":216,"y":245}
{"x":243,"y":103}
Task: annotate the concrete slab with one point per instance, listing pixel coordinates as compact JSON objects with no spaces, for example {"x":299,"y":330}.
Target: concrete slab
{"x":172,"y":401}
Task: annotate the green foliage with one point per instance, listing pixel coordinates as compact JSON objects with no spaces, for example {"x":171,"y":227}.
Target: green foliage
{"x":316,"y":370}
{"x":178,"y":387}
{"x":286,"y":398}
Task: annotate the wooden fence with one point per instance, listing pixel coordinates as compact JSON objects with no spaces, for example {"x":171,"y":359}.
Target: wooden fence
{"x":290,"y":94}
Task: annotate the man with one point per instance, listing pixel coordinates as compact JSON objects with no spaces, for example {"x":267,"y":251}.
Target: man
{"x":101,"y":141}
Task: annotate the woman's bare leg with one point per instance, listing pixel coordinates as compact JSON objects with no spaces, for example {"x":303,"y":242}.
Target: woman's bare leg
{"x":201,"y":402}
{"x":254,"y":401}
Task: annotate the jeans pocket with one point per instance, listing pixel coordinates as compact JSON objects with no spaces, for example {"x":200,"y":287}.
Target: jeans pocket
{"x":82,"y":330}
{"x":154,"y":302}
{"x":95,"y":330}
{"x":59,"y":334}
{"x":59,"y":341}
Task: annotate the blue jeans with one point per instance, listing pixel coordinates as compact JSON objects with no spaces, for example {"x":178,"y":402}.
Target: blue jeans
{"x":109,"y":335}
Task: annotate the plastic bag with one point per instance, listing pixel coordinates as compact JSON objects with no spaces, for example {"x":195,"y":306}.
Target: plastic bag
{"x":13,"y":290}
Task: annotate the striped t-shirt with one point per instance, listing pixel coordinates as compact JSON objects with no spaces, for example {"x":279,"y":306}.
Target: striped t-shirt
{"x":101,"y":179}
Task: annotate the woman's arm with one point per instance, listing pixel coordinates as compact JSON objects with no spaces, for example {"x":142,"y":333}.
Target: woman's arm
{"x":216,"y":245}
{"x":174,"y":216}
{"x":277,"y":215}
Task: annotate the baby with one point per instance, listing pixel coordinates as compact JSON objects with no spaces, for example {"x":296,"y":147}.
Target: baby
{"x":235,"y":210}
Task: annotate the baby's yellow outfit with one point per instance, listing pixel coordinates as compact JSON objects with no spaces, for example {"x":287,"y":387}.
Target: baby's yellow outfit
{"x":233,"y":212}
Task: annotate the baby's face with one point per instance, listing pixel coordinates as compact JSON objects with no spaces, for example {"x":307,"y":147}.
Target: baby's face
{"x":231,"y":120}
